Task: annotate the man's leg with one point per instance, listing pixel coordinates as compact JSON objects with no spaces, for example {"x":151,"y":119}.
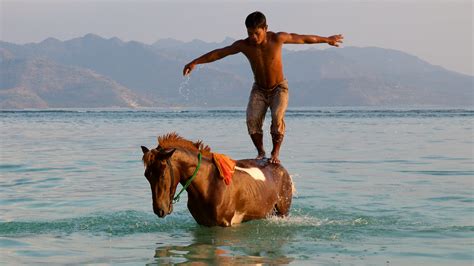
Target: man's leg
{"x":256,"y":109}
{"x":278,"y":105}
{"x":257,"y":140}
{"x":277,"y":140}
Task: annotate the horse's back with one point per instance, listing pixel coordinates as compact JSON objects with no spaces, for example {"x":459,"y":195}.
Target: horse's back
{"x":271,"y":171}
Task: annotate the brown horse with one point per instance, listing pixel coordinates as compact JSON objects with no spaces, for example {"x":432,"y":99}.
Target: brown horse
{"x":258,"y":188}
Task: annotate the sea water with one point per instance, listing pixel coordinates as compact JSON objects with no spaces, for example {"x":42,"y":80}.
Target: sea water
{"x":374,"y":187}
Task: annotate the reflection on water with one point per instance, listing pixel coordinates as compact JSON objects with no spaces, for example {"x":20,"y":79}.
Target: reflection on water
{"x":249,"y":243}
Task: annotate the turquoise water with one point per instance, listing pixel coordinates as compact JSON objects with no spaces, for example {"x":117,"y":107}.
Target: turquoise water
{"x":374,"y":187}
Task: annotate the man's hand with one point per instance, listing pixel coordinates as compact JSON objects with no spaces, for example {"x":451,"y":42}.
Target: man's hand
{"x":188,"y":68}
{"x":335,"y":40}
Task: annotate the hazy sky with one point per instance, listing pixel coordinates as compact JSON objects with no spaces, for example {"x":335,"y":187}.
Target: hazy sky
{"x":440,"y":32}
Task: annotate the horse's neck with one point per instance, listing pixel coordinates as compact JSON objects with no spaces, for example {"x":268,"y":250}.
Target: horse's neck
{"x":187,"y":162}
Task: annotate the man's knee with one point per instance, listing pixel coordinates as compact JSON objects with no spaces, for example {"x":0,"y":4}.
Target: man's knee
{"x":278,"y":126}
{"x":254,"y":126}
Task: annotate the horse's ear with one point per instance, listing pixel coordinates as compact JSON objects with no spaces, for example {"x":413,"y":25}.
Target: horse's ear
{"x":145,"y":149}
{"x":167,"y":153}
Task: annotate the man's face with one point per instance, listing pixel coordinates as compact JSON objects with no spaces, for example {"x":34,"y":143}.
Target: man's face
{"x":257,"y":35}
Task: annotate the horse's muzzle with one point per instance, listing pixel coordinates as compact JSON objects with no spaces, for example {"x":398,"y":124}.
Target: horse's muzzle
{"x":161,"y":213}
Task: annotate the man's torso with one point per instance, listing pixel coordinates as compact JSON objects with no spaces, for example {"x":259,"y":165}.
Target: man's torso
{"x":265,"y":60}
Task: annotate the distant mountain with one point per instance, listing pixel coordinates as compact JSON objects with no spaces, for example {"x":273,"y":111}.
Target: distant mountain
{"x":192,"y":46}
{"x":94,"y":71}
{"x":374,"y":77}
{"x":41,"y":83}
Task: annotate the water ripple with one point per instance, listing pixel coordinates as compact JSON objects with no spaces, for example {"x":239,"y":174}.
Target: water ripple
{"x":440,"y":172}
{"x":118,"y":223}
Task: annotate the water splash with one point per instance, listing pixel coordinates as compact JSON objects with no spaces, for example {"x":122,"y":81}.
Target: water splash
{"x":113,"y":223}
{"x":183,"y":88}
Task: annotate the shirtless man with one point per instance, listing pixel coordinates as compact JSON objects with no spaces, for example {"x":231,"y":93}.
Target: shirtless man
{"x":270,"y":89}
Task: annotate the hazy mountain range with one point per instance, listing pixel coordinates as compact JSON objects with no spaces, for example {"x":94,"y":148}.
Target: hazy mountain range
{"x":92,"y":71}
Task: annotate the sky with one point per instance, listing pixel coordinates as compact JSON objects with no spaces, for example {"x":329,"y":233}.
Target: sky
{"x":438,"y":31}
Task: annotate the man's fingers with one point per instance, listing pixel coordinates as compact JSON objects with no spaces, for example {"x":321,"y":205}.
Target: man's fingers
{"x":336,"y":40}
{"x":186,"y":71}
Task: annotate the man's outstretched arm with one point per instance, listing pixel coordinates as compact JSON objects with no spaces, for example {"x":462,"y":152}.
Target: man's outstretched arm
{"x":294,"y":38}
{"x":212,"y":56}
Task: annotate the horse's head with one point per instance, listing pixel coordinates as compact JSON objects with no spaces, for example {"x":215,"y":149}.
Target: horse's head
{"x":160,"y":175}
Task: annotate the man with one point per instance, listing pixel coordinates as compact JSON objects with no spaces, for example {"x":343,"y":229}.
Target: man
{"x":263,"y":50}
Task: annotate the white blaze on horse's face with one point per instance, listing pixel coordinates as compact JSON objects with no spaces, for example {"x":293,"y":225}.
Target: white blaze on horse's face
{"x":254,"y":172}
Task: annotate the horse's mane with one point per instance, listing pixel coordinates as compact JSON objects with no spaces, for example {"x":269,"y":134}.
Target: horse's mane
{"x":173,"y":140}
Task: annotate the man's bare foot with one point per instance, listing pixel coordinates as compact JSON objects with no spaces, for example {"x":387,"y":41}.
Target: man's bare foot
{"x":274,"y":159}
{"x":277,"y":139}
{"x":257,"y":140}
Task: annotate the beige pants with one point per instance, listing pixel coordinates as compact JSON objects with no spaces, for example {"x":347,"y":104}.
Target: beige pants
{"x":259,"y":101}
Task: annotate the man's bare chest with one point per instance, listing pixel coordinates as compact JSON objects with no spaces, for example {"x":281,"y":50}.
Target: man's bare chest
{"x":264,"y":55}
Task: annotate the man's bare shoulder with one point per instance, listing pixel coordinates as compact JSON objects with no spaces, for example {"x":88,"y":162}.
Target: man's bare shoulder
{"x":272,"y":35}
{"x":239,"y":44}
{"x":281,"y":36}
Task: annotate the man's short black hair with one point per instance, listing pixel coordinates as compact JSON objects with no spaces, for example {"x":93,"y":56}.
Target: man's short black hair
{"x":256,"y":20}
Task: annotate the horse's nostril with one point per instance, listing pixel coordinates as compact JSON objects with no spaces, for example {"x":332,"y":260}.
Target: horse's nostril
{"x":160,"y":212}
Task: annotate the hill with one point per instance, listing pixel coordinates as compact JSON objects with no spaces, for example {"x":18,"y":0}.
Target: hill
{"x":111,"y":72}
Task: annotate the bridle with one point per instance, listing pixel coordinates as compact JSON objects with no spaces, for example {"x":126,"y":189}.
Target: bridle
{"x":168,"y":162}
